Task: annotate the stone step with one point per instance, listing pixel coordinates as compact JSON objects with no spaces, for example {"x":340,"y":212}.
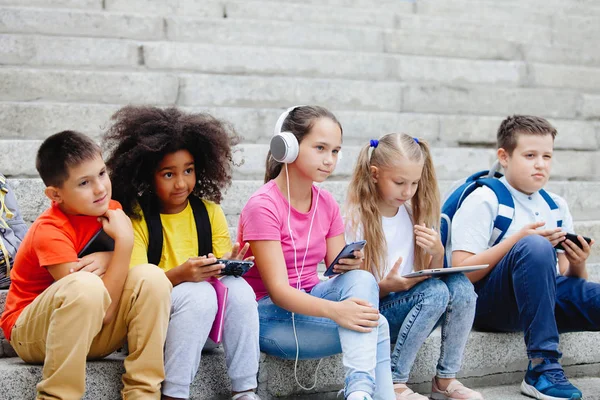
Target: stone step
{"x":590,"y":387}
{"x":507,"y":9}
{"x":46,"y":51}
{"x":490,"y":359}
{"x":33,"y":120}
{"x":77,"y":4}
{"x":103,"y":382}
{"x":56,"y":85}
{"x":80,"y":23}
{"x":35,"y":50}
{"x":581,"y":196}
{"x":450,"y":163}
{"x":430,"y":35}
{"x":584,"y":8}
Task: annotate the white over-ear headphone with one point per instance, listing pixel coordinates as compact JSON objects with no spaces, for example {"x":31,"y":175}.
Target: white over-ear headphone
{"x":284,"y":145}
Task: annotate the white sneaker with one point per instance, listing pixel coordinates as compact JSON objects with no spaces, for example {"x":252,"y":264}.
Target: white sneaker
{"x":246,"y":396}
{"x":359,"y":395}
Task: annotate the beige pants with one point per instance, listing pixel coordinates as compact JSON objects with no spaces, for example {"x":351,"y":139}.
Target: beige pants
{"x":63,"y":327}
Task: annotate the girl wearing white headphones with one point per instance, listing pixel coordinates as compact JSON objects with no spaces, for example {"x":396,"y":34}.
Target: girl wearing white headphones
{"x":292,"y":225}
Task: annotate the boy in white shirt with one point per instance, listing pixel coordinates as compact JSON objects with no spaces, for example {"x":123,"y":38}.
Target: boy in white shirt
{"x":520,"y":290}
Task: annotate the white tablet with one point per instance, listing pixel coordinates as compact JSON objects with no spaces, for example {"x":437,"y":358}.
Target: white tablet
{"x":444,"y":271}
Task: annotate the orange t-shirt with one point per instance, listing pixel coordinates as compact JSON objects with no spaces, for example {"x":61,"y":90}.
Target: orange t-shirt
{"x":54,"y":238}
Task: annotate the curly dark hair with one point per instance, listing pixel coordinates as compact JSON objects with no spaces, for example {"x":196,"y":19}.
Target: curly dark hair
{"x":141,"y":136}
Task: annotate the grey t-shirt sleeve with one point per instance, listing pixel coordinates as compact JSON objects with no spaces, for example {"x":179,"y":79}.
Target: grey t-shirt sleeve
{"x":473,"y":223}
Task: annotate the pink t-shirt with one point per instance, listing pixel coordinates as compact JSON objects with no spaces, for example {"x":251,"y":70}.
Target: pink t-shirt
{"x":264,"y":217}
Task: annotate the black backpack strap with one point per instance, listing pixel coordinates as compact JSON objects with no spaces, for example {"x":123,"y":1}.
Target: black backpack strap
{"x":203,"y":227}
{"x":155,"y":236}
{"x":155,"y":231}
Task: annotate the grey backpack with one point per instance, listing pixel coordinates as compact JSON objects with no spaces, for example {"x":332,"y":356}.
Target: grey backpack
{"x":12,"y":231}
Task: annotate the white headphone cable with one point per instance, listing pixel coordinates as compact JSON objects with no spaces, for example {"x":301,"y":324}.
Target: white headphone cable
{"x":299,"y":275}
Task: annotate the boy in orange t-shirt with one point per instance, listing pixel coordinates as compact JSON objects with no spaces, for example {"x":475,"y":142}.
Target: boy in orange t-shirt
{"x":61,"y":310}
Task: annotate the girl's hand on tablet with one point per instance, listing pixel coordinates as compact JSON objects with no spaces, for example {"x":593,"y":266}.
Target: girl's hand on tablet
{"x":394,"y":282}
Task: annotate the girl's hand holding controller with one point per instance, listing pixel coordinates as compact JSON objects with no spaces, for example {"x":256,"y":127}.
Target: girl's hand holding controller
{"x":199,"y":269}
{"x":238,"y":254}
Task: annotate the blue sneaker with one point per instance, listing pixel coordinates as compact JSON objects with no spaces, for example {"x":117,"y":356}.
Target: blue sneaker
{"x":547,"y":381}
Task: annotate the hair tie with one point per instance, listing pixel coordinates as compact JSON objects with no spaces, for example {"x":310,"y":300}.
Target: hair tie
{"x":374,"y":143}
{"x":416,"y":140}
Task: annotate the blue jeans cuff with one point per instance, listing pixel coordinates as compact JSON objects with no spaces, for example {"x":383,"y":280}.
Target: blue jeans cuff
{"x":359,"y":381}
{"x":443,"y":375}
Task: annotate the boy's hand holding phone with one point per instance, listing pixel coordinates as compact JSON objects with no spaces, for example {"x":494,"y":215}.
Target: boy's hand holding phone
{"x":577,"y":254}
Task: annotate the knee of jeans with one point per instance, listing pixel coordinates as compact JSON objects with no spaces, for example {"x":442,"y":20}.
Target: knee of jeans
{"x":461,"y":290}
{"x":361,"y":281}
{"x":537,"y":248}
{"x":383,"y":327}
{"x":435,"y":293}
{"x":195,"y":298}
{"x":87,"y":289}
{"x":534,"y":244}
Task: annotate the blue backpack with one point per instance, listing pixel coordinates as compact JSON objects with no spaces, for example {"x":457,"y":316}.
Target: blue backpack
{"x":506,"y":206}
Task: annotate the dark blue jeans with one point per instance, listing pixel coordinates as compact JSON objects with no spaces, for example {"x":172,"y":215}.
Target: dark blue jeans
{"x":524,"y":293}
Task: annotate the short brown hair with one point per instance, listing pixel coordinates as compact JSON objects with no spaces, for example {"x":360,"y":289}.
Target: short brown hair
{"x":512,"y":126}
{"x":62,"y":151}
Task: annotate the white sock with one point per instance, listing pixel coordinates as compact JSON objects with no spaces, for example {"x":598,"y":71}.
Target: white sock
{"x":359,"y":395}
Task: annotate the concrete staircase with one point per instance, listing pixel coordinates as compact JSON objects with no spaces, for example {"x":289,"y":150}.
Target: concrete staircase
{"x":445,"y":71}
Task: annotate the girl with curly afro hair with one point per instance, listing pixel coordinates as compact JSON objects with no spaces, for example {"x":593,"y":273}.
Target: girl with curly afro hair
{"x":169,"y":169}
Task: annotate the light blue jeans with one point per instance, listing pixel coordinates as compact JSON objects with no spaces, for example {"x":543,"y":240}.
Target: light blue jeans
{"x":366,"y":356}
{"x":412,"y":315}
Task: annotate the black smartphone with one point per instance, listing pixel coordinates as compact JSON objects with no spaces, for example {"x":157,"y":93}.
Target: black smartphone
{"x":235,"y":268}
{"x":573,"y":238}
{"x":99,"y":242}
{"x":347,"y":252}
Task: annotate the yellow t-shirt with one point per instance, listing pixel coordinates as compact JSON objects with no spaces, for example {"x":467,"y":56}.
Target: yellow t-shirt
{"x":180,"y":239}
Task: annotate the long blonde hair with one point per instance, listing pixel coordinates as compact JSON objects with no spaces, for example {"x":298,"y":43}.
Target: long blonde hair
{"x":362,"y":211}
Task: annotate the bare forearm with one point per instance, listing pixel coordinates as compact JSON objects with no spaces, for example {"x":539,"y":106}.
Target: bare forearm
{"x":437,"y":262}
{"x":115,"y":276}
{"x":299,"y":302}
{"x":174,"y":276}
{"x":577,"y":271}
{"x":384,"y":290}
{"x":491,"y":256}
